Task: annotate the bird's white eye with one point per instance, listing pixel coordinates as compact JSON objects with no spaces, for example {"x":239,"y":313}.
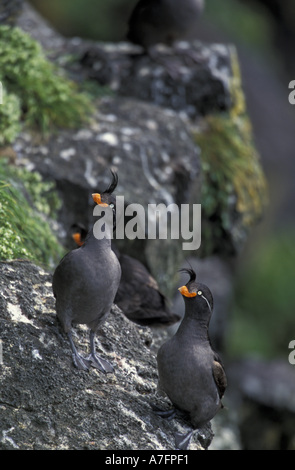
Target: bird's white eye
{"x":112,"y":205}
{"x":200,"y":292}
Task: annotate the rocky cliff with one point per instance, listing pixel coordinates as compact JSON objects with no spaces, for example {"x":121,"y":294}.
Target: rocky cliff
{"x":152,"y":124}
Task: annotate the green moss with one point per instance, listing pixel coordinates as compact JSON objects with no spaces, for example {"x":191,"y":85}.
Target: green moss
{"x":10,"y":116}
{"x":95,"y":90}
{"x":234,"y":189}
{"x":36,"y":89}
{"x":231,"y":169}
{"x":24,"y":229}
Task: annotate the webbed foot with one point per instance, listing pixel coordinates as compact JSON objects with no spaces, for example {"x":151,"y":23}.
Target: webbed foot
{"x":182,"y":441}
{"x":100,"y":364}
{"x":80,"y":362}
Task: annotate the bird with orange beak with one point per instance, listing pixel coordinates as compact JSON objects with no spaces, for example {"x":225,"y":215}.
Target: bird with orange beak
{"x":138,"y":295}
{"x":190,"y":372}
{"x":85,"y":283}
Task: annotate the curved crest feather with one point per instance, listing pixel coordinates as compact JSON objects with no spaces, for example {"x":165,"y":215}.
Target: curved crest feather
{"x":113,"y":184}
{"x":190,"y":272}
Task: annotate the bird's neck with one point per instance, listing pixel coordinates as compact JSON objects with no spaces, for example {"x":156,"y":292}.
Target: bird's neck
{"x":195,"y":328}
{"x":97,"y":245}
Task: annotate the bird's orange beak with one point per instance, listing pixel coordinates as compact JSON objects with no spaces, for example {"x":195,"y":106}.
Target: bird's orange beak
{"x":184,"y":291}
{"x":77,"y":238}
{"x":97,"y":199}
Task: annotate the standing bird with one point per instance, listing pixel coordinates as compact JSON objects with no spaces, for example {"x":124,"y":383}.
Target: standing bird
{"x":138,"y":295}
{"x":163,"y":21}
{"x":190,"y":372}
{"x":85,"y":284}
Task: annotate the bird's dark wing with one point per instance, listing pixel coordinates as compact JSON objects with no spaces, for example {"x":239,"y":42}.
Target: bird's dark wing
{"x":139,"y":296}
{"x":145,"y":13}
{"x":56,"y":274}
{"x":141,"y":8}
{"x":219,"y":375}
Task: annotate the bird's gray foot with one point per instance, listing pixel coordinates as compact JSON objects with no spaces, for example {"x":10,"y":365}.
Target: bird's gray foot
{"x":182,"y":441}
{"x":165,"y":414}
{"x":100,"y":364}
{"x":96,"y":361}
{"x":80,"y":362}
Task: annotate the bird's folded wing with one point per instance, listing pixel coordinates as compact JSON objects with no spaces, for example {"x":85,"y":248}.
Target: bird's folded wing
{"x":219,"y":376}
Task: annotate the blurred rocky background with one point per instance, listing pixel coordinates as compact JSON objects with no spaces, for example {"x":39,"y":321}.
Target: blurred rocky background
{"x":235,"y":90}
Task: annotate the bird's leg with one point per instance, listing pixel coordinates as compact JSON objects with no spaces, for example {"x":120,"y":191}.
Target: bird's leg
{"x":79,"y":361}
{"x":182,"y":441}
{"x":95,"y":360}
{"x":165,"y":414}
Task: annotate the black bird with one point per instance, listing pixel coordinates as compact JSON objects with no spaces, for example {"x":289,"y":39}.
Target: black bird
{"x":138,"y":295}
{"x":163,"y":21}
{"x":190,"y":372}
{"x":85,"y":284}
{"x":79,"y":234}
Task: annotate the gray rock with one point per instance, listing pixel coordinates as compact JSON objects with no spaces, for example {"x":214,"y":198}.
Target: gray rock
{"x":9,"y":10}
{"x":262,"y":393}
{"x":46,"y":403}
{"x":34,"y":24}
{"x":269,"y":383}
{"x":190,"y":77}
{"x":226,"y":430}
{"x":151,"y":149}
{"x":194,"y":77}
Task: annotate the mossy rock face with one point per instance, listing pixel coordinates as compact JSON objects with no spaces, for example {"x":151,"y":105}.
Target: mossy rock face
{"x":34,"y":90}
{"x":25,"y":204}
{"x":234,"y":190}
{"x":10,"y":117}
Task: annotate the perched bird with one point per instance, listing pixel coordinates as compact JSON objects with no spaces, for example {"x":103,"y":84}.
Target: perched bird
{"x":163,"y":21}
{"x":85,"y":284}
{"x":138,"y":295}
{"x":190,"y":372}
{"x":79,"y":234}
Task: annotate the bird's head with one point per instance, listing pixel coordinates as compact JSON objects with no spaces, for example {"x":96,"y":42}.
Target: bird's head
{"x":79,"y":234}
{"x":106,"y":202}
{"x":106,"y":198}
{"x":196,"y":291}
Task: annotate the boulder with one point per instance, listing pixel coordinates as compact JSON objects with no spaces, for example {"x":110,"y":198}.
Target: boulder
{"x":193,"y":78}
{"x":151,"y":149}
{"x":155,"y":129}
{"x":45,"y":403}
{"x":262,"y":392}
{"x":9,"y":11}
